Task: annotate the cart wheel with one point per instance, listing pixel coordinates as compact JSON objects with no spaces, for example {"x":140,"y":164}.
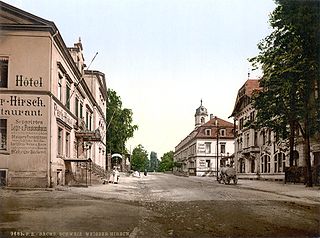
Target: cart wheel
{"x":235,"y":181}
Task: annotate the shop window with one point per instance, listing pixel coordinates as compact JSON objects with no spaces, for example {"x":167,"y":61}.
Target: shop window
{"x":3,"y":134}
{"x":4,"y":72}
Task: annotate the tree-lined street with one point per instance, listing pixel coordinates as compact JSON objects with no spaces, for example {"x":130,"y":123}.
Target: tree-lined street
{"x":164,"y":205}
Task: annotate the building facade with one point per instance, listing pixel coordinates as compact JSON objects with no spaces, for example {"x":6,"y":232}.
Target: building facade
{"x":52,"y":110}
{"x":209,"y":146}
{"x":259,"y":153}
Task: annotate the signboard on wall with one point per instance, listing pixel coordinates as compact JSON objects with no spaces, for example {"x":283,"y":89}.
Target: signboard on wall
{"x":201,"y":148}
{"x":27,"y":129}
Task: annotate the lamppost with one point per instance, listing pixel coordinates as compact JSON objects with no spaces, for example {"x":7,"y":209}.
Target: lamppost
{"x":217,"y":129}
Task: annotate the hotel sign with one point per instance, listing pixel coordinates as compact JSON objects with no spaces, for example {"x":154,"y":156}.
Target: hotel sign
{"x":27,"y":118}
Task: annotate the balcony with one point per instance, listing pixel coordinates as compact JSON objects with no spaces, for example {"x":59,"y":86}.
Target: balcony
{"x":251,"y":149}
{"x":89,"y":135}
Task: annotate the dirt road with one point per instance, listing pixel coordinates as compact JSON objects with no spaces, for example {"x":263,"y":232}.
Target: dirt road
{"x":162,"y":205}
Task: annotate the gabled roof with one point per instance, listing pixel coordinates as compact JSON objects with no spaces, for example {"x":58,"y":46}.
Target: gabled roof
{"x":15,"y":19}
{"x":245,"y":92}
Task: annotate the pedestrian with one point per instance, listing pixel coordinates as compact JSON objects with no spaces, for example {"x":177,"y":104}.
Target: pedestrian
{"x":116,"y":176}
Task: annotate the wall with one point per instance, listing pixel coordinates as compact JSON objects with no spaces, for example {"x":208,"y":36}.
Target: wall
{"x":25,"y":105}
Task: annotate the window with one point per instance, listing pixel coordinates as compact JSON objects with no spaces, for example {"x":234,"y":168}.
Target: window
{"x":208,"y":147}
{"x":265,"y":164}
{"x":60,"y":144}
{"x":222,"y":132}
{"x":4,"y":72}
{"x":202,"y":120}
{"x":3,"y":134}
{"x":247,"y":137}
{"x":242,"y":166}
{"x":81,"y":110}
{"x":251,"y":116}
{"x":68,"y":90}
{"x":87,"y":120}
{"x":76,"y":108}
{"x":223,"y":148}
{"x":67,"y":144}
{"x":241,"y":124}
{"x":90,"y":122}
{"x":208,"y":163}
{"x":208,"y":132}
{"x":255,"y":138}
{"x":253,"y":165}
{"x":263,"y":133}
{"x":60,"y":87}
{"x":279,"y":162}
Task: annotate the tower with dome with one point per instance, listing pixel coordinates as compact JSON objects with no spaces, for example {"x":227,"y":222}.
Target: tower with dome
{"x":201,"y":115}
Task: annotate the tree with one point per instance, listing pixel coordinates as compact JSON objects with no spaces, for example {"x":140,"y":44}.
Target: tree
{"x":166,"y":163}
{"x":120,"y":127}
{"x":289,"y":58}
{"x":154,"y":162}
{"x":139,"y":158}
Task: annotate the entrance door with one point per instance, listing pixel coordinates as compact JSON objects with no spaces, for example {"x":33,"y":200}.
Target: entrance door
{"x":58,"y":177}
{"x":3,"y":178}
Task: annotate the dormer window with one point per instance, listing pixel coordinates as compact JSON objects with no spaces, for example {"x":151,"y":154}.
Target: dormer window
{"x":223,"y":132}
{"x":208,"y":132}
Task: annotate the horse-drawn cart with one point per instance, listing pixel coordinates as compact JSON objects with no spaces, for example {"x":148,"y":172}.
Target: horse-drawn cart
{"x":227,"y":174}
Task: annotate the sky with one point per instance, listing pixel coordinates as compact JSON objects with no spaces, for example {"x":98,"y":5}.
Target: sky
{"x":163,"y":56}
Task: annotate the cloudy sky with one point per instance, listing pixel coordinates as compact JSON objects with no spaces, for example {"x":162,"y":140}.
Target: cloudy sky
{"x":163,"y":56}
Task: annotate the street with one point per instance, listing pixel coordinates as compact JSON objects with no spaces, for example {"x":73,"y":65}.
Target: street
{"x":163,"y":205}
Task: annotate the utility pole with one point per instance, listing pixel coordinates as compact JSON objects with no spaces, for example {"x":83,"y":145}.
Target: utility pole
{"x":217,"y":127}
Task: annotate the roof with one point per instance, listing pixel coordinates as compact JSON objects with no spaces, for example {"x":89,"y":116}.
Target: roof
{"x":15,"y":19}
{"x":245,"y":92}
{"x":201,"y":131}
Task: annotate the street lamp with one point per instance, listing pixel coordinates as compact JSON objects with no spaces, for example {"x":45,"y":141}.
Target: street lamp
{"x":217,"y":127}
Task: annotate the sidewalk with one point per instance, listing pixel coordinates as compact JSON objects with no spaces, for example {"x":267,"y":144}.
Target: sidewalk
{"x":288,"y":189}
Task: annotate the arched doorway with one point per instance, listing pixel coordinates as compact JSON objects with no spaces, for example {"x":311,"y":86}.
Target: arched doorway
{"x":116,"y":161}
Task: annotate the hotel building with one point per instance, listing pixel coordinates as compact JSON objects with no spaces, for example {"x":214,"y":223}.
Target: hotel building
{"x":52,"y":109}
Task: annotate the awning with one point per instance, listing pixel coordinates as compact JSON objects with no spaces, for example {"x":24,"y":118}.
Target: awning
{"x":116,"y":155}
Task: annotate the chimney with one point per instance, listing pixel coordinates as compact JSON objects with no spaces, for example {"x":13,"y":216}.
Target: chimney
{"x":211,"y":116}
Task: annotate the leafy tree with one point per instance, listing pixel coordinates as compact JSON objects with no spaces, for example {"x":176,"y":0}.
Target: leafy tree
{"x":120,"y":127}
{"x":166,"y":163}
{"x":139,"y":158}
{"x":154,"y":162}
{"x":289,"y":58}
